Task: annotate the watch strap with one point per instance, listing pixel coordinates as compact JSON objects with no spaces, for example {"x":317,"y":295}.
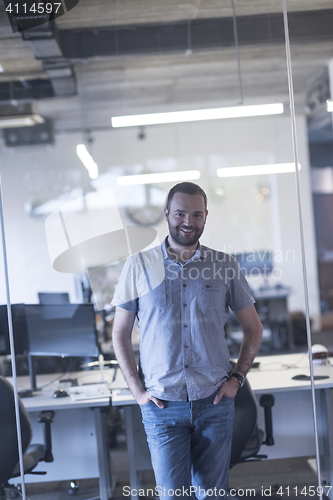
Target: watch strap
{"x":240,"y":378}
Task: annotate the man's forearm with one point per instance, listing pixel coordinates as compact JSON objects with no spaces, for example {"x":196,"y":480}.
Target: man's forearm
{"x":248,"y":351}
{"x":125,"y":356}
{"x":252,"y":335}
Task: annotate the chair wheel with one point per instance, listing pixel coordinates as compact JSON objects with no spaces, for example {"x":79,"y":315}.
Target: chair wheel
{"x":71,"y":492}
{"x":13,"y":493}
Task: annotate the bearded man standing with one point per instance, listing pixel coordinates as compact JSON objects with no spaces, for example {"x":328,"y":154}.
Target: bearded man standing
{"x":181,"y":292}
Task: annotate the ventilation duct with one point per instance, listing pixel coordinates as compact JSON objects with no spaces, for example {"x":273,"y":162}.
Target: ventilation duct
{"x":62,"y":77}
{"x":30,"y":136}
{"x":45,"y":45}
{"x":43,"y":41}
{"x":22,"y":115}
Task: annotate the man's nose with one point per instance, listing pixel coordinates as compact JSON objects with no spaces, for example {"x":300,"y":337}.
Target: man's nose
{"x":188,"y":219}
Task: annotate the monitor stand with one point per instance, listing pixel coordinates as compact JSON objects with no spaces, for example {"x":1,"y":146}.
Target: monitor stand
{"x":32,"y":374}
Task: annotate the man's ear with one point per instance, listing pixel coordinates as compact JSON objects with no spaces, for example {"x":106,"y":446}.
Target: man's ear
{"x":206,"y":213}
{"x":166,"y":213}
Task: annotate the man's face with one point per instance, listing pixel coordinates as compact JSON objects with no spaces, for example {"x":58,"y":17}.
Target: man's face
{"x":186,"y":218}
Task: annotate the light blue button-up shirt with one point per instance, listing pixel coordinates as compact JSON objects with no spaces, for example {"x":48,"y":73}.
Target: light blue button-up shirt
{"x":182,"y":309}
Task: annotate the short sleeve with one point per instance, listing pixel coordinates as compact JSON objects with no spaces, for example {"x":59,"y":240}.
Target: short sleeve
{"x":239,"y":293}
{"x":125,"y":295}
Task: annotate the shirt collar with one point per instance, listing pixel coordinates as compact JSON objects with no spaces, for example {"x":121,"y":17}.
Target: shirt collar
{"x":199,"y":253}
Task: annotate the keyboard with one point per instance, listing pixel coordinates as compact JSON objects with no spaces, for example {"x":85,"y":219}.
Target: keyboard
{"x":89,"y":391}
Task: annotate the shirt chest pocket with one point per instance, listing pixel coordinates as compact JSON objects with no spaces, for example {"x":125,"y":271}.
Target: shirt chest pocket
{"x":211,"y":295}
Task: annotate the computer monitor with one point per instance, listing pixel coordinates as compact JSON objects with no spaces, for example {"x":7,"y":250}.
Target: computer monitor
{"x":61,"y":330}
{"x":256,"y":263}
{"x":20,"y":332}
{"x":53,"y":297}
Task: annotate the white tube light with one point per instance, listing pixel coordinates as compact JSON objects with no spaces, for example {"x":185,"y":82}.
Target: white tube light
{"x":197,"y":115}
{"x":87,"y":161}
{"x":274,"y":168}
{"x":185,"y":175}
{"x":329,"y":104}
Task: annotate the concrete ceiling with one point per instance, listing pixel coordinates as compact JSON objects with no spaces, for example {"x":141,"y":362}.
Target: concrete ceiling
{"x":132,"y":63}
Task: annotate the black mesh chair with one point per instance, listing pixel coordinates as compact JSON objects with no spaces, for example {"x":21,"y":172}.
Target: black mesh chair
{"x":33,"y":453}
{"x":247,"y":437}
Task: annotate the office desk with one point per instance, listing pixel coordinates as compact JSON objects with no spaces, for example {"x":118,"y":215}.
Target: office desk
{"x":78,"y":433}
{"x":292,"y":414}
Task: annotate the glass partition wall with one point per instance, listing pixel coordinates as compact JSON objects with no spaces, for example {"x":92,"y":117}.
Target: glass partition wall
{"x":62,"y":208}
{"x":296,"y":42}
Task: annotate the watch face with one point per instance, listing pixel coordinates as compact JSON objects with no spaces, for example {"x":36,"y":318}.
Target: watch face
{"x":240,"y":378}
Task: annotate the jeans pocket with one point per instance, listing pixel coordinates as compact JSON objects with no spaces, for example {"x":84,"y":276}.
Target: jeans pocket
{"x":226,"y":400}
{"x":147,"y":404}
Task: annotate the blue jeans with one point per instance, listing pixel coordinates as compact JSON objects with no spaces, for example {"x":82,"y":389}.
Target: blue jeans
{"x":190,"y":444}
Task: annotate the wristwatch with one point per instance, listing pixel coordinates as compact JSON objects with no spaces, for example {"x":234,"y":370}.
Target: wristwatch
{"x":240,"y":378}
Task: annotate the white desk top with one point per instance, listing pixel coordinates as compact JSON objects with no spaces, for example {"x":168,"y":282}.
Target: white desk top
{"x":49,"y":383}
{"x":274,"y":375}
{"x":45,"y":401}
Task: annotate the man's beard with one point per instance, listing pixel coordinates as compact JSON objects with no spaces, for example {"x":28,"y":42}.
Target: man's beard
{"x":183,"y":240}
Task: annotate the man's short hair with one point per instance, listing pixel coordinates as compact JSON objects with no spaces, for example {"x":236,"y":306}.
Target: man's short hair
{"x":186,"y":188}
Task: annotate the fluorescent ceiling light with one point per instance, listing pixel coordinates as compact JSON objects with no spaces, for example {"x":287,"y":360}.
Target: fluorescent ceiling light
{"x":329,"y":104}
{"x":197,"y":115}
{"x":185,"y":175}
{"x":20,"y":121}
{"x":277,"y":168}
{"x":1,"y":69}
{"x":87,"y":160}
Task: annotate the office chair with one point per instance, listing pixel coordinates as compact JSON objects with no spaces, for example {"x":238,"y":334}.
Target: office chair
{"x":32,"y":454}
{"x":247,"y":437}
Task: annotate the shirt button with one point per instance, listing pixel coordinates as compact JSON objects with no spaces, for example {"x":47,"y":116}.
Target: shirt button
{"x":186,"y":366}
{"x":185,"y":305}
{"x":186,"y":346}
{"x":184,"y":284}
{"x":185,"y":326}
